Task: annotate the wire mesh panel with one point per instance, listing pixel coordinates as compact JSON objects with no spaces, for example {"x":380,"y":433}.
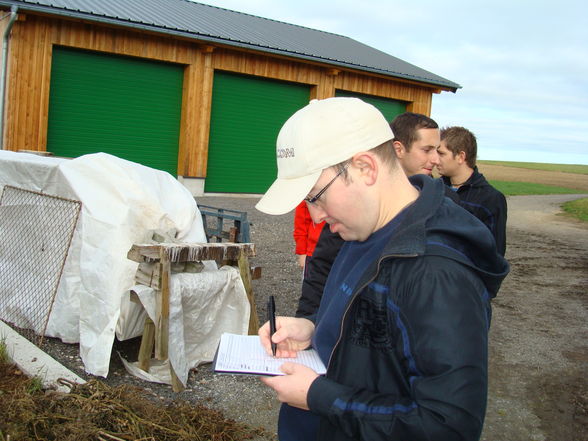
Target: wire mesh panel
{"x":35,"y":234}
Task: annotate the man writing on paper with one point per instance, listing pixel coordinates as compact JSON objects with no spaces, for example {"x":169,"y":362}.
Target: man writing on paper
{"x":403,"y":322}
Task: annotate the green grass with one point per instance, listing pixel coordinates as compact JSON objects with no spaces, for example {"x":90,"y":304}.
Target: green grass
{"x":527,"y":188}
{"x":577,"y":209}
{"x":3,"y":351}
{"x":567,"y":168}
{"x":35,"y":385}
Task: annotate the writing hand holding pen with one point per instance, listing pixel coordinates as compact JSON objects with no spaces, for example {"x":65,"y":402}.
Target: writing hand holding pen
{"x":284,"y":337}
{"x":292,"y":335}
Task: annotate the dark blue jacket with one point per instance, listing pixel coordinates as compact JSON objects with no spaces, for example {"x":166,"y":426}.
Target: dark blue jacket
{"x":411,"y":360}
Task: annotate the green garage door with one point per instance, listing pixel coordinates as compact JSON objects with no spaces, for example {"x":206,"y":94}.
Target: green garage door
{"x":389,"y":108}
{"x":247,"y":114}
{"x":128,"y":107}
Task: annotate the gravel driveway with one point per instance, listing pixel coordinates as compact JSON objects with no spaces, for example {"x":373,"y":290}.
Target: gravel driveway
{"x":539,"y":354}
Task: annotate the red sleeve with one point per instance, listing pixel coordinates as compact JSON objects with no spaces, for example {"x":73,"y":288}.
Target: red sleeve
{"x":314,"y":231}
{"x":302,"y":221}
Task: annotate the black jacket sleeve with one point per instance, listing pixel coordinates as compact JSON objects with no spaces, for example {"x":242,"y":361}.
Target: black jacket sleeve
{"x":500,"y":226}
{"x":318,"y":268}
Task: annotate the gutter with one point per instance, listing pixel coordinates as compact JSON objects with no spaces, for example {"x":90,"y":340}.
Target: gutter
{"x":5,"y":37}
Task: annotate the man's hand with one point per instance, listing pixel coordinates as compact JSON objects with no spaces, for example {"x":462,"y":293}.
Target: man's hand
{"x":301,"y":260}
{"x":292,"y":388}
{"x":292,"y":335}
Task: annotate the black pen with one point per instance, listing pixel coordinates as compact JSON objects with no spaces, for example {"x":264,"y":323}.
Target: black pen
{"x":271,"y":312}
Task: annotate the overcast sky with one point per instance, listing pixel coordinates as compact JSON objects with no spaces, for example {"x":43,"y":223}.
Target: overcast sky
{"x":522,"y":65}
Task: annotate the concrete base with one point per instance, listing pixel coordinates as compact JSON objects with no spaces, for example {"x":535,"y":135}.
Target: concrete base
{"x":34,"y":362}
{"x":195,"y":185}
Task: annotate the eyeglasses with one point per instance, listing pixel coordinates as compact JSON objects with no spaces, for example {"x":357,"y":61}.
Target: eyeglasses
{"x":312,"y":200}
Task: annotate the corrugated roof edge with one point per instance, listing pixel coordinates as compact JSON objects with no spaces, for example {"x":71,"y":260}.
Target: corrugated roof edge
{"x":76,"y":13}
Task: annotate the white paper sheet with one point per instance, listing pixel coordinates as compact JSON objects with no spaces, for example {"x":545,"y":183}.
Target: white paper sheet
{"x":243,"y":354}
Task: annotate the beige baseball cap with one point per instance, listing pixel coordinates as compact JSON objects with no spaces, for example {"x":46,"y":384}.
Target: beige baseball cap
{"x":318,"y":136}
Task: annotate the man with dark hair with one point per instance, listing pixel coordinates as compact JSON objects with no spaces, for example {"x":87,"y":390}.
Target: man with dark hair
{"x":416,"y":138}
{"x":457,"y":165}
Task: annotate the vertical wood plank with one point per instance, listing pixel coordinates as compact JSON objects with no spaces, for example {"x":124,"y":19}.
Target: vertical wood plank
{"x":245,"y":271}
{"x":177,"y":385}
{"x":162,"y":327}
{"x":147,"y":343}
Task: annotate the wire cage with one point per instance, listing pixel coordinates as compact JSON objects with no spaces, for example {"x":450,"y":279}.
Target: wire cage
{"x":36,"y":232}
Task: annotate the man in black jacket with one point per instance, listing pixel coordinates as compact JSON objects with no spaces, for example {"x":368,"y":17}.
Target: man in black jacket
{"x":403,"y":322}
{"x":457,"y":165}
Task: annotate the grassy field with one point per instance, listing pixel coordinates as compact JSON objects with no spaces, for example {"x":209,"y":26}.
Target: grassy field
{"x":509,"y":188}
{"x":565,"y":168}
{"x":533,"y":178}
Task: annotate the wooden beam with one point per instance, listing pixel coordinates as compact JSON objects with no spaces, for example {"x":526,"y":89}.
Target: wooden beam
{"x":190,"y":252}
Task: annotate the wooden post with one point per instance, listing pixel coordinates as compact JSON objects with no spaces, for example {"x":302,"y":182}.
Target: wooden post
{"x":245,"y":271}
{"x":177,"y":385}
{"x":147,"y":342}
{"x":162,"y":329}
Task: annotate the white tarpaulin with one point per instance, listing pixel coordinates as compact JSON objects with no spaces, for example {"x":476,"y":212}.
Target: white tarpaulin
{"x":123,"y":203}
{"x":201,"y":307}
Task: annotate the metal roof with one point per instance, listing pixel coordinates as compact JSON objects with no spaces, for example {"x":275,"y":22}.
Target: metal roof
{"x":216,"y":25}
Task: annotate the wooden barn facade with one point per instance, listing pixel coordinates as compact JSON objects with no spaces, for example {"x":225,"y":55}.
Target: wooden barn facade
{"x":194,"y":90}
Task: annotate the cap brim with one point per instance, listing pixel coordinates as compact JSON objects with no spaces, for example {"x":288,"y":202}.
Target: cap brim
{"x":285,"y":194}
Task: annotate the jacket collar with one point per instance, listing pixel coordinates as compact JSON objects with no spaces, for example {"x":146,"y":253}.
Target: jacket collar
{"x":410,"y":236}
{"x":476,"y":178}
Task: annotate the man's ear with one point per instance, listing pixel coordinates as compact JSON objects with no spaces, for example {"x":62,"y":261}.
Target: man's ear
{"x":461,"y":157}
{"x":366,"y":164}
{"x":399,"y":149}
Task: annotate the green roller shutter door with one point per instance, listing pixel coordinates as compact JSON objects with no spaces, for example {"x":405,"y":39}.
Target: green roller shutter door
{"x":247,"y":114}
{"x":128,"y":107}
{"x":389,"y":108}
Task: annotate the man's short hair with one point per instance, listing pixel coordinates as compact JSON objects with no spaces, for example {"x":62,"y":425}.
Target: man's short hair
{"x":459,"y":139}
{"x":384,"y":151}
{"x":405,"y":127}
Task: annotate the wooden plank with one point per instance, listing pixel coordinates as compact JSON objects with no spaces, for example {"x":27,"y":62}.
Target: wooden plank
{"x":177,"y":385}
{"x":255,"y":272}
{"x":245,"y":271}
{"x":162,"y":327}
{"x":148,"y":274}
{"x":147,"y":343}
{"x":190,"y":252}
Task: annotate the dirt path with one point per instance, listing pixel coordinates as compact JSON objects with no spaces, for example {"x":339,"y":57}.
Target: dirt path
{"x":538,"y":348}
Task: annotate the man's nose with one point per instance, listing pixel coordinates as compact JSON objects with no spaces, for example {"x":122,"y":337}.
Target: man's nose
{"x":434,"y":157}
{"x":316,"y":212}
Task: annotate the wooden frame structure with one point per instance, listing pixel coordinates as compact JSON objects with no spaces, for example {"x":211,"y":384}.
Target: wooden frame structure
{"x":155,"y":271}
